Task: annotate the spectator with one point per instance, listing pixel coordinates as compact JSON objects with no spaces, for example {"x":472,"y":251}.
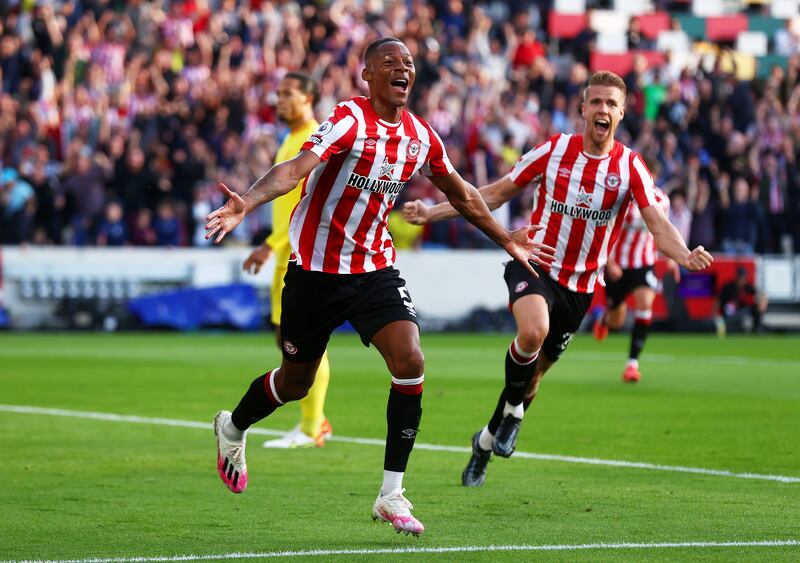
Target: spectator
{"x":741,"y":307}
{"x":112,"y":231}
{"x":740,"y":221}
{"x":167,"y":227}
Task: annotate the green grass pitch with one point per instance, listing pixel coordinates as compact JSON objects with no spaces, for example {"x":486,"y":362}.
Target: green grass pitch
{"x":81,"y":488}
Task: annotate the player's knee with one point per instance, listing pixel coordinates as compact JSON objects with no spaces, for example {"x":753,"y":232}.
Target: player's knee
{"x":295,"y":389}
{"x":409,"y":366}
{"x":531,"y":339}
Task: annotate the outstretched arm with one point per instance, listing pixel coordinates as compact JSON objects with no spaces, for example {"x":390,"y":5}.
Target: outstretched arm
{"x":466,"y":200}
{"x":669,"y":241}
{"x":494,"y":195}
{"x":279,"y":180}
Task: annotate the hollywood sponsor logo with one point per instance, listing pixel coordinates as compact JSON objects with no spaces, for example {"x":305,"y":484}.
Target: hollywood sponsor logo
{"x":316,"y":139}
{"x":375,"y":185}
{"x":598,"y":216}
{"x":413,"y":148}
{"x":613,"y":181}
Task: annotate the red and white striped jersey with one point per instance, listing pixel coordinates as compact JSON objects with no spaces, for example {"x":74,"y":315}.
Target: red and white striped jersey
{"x":578,"y":201}
{"x":339,"y":225}
{"x":636,"y":247}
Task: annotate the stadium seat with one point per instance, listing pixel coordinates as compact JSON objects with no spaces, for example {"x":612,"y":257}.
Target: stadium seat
{"x":633,"y":7}
{"x":725,"y":28}
{"x":570,"y":6}
{"x":764,"y":64}
{"x":611,"y":43}
{"x":785,"y":9}
{"x":708,"y":8}
{"x":752,"y":43}
{"x":693,"y":26}
{"x":608,"y":21}
{"x":620,"y":64}
{"x":764,"y":23}
{"x":674,"y":41}
{"x":565,"y":26}
{"x":652,"y":24}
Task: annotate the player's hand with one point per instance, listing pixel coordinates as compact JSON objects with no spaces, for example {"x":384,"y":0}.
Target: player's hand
{"x":698,"y":259}
{"x":257,"y":258}
{"x":416,"y":212}
{"x":523,"y":249}
{"x":613,"y":271}
{"x":224,"y":220}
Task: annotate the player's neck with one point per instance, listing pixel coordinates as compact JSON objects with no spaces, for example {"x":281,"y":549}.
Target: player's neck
{"x":385,"y":111}
{"x":297,"y":124}
{"x":593,"y":149}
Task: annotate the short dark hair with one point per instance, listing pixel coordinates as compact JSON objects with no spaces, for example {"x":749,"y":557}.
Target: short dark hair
{"x":307,"y":84}
{"x":373,"y":47}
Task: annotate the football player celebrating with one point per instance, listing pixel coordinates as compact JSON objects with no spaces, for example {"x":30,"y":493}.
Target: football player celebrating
{"x":341,"y":269}
{"x":585,"y":183}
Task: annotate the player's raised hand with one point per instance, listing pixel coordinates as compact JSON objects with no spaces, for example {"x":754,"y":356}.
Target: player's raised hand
{"x":698,"y":259}
{"x":416,"y":212}
{"x":224,"y":220}
{"x":523,"y":249}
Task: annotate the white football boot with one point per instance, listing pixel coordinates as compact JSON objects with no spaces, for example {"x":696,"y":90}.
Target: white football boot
{"x":396,"y":509}
{"x":231,"y":464}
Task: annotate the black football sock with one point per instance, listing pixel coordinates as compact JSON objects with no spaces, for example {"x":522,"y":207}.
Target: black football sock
{"x":403,"y":414}
{"x":520,"y":367}
{"x":258,"y":402}
{"x":497,"y":415}
{"x":641,"y":327}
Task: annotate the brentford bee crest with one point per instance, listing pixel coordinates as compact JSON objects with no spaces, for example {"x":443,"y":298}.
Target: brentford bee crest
{"x":612,"y":181}
{"x":412,"y":151}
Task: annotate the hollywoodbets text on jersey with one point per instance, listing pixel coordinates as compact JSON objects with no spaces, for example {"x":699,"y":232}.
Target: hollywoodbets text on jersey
{"x":599,"y":216}
{"x":360,"y":182}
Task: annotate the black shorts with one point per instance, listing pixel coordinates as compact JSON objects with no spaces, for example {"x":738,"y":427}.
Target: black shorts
{"x":617,"y":291}
{"x":567,"y":308}
{"x":314,"y":304}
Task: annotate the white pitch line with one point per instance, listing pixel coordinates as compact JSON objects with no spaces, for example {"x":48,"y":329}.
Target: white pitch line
{"x":110,"y":417}
{"x":405,"y":550}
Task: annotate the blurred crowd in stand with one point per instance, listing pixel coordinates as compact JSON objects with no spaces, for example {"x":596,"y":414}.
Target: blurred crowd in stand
{"x":118,"y":118}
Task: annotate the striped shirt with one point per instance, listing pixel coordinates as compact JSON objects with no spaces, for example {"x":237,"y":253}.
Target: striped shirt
{"x":636,"y":247}
{"x":578,"y":201}
{"x":339,"y":225}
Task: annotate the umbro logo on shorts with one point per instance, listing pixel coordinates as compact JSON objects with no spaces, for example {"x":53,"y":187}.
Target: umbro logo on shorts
{"x":409,"y":433}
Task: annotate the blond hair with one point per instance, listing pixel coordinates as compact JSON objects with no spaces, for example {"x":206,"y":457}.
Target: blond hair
{"x":606,"y":78}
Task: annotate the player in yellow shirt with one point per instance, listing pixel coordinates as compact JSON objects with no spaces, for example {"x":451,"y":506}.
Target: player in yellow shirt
{"x":297,"y":94}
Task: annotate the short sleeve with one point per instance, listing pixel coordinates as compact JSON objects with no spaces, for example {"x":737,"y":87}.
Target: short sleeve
{"x":532,"y":164}
{"x":437,"y":162}
{"x":334,"y":135}
{"x":643,"y":189}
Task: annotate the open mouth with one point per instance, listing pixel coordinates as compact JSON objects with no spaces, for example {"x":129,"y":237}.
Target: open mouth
{"x":400,"y":85}
{"x":602,"y":126}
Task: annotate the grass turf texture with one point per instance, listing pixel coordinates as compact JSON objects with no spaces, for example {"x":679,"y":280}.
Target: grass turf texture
{"x":79,"y":488}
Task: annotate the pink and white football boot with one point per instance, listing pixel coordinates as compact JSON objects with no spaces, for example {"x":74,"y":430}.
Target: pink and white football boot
{"x":396,"y":509}
{"x":231,"y":465}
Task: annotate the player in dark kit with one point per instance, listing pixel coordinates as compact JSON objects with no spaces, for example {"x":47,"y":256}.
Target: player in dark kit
{"x":342,"y":265}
